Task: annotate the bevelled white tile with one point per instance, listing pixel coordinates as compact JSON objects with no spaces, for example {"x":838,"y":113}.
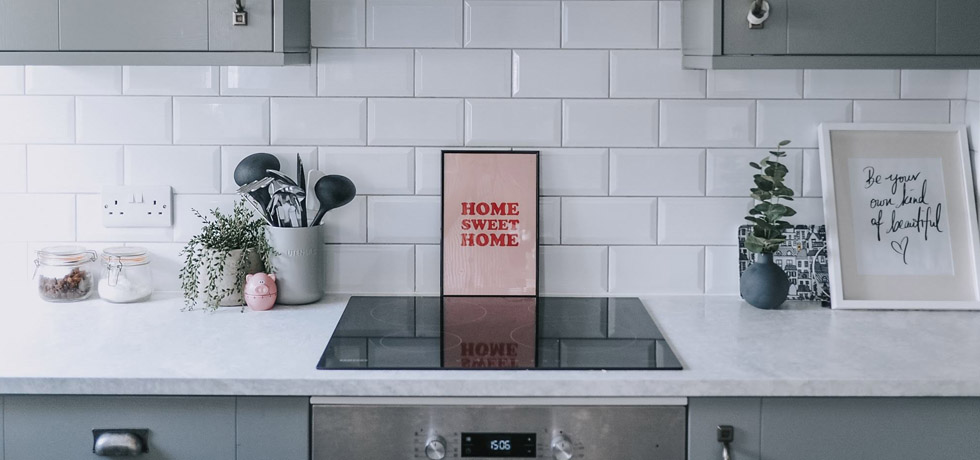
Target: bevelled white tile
{"x":73,"y":80}
{"x":851,"y":84}
{"x":972,"y":88}
{"x":610,"y":123}
{"x":428,"y":171}
{"x":12,"y":79}
{"x":73,"y":168}
{"x":561,"y":73}
{"x":573,"y":269}
{"x":756,"y":83}
{"x":171,"y":80}
{"x":415,"y":122}
{"x":574,"y":172}
{"x":186,"y":224}
{"x":365,"y":72}
{"x":55,"y":223}
{"x":124,"y":120}
{"x":657,"y":74}
{"x":972,"y":122}
{"x":656,"y":172}
{"x":428,"y":269}
{"x":462,"y":73}
{"x":221,"y":120}
{"x":721,"y":270}
{"x":166,"y":261}
{"x":604,"y":24}
{"x":513,"y":122}
{"x":188,"y":169}
{"x":608,"y":220}
{"x":729,"y":173}
{"x":290,"y":80}
{"x":231,"y":156}
{"x":797,"y":120}
{"x":656,"y":270}
{"x":921,"y":111}
{"x":312,"y":121}
{"x":934,"y":84}
{"x":346,"y":224}
{"x":14,"y":273}
{"x":670,"y":25}
{"x":707,"y":123}
{"x":511,"y":24}
{"x":337,"y":23}
{"x":370,"y":269}
{"x":374,"y":170}
{"x":404,"y":219}
{"x":37,"y":119}
{"x":549,"y":220}
{"x":957,"y":111}
{"x":811,"y":173}
{"x":14,"y":159}
{"x":90,"y":228}
{"x":415,"y":23}
{"x":702,"y":221}
{"x":809,"y":211}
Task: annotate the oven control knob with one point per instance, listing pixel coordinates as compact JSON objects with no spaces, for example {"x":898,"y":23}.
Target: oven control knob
{"x":561,"y":448}
{"x":435,"y":448}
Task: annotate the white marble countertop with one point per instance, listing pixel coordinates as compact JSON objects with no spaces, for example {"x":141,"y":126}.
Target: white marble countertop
{"x":727,"y":347}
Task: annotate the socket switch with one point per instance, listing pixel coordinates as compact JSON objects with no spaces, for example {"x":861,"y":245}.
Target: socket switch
{"x":137,"y":206}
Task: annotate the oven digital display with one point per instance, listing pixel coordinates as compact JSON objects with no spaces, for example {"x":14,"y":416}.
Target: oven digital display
{"x":510,"y":445}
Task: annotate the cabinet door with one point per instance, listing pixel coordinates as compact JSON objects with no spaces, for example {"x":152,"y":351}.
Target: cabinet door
{"x":28,"y":25}
{"x":739,"y":39}
{"x":255,"y":36}
{"x":704,"y":415}
{"x":1,"y":428}
{"x":273,"y":428}
{"x":134,"y":25}
{"x":870,"y":428}
{"x":873,"y":27}
{"x":958,"y":32}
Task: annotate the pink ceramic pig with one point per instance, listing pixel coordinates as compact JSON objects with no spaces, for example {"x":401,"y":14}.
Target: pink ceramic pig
{"x":260,"y":291}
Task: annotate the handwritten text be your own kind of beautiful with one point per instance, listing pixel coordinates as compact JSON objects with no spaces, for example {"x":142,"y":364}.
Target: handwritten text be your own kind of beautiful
{"x":902,"y":192}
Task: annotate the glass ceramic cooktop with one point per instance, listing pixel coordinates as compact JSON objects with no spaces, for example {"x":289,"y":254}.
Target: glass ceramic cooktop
{"x":497,"y":333}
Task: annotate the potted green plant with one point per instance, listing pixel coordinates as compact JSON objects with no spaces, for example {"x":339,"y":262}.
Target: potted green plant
{"x":764,"y":284}
{"x":216,"y":260}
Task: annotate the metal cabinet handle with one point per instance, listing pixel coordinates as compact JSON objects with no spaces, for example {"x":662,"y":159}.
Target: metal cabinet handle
{"x":758,"y":14}
{"x":726,"y":434}
{"x":119,"y":443}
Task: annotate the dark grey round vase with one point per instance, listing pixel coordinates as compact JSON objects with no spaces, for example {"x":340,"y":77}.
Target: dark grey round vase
{"x":764,"y":284}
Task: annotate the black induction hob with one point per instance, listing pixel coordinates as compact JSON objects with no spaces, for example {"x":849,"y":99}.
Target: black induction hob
{"x":540,"y":333}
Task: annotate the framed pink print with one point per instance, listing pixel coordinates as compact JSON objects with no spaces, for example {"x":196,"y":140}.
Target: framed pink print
{"x":489,"y":223}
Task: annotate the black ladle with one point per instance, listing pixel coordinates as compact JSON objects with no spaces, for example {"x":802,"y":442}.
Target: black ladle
{"x":253,"y":168}
{"x":333,"y":191}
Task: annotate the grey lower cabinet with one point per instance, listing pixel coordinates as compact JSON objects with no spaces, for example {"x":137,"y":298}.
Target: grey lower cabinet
{"x":175,"y":428}
{"x":836,"y":428}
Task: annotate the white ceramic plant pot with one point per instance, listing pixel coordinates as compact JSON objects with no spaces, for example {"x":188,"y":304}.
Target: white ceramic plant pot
{"x":228,"y":279}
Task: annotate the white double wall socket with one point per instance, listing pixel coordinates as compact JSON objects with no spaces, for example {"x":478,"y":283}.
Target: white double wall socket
{"x":137,"y":206}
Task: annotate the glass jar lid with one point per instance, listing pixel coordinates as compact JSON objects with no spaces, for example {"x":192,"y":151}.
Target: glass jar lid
{"x":65,"y":256}
{"x":127,"y":256}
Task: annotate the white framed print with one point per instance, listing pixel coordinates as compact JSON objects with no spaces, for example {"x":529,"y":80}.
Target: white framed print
{"x":900,"y":207}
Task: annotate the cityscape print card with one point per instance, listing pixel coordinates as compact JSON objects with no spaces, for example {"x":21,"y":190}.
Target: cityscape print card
{"x":803,"y":256}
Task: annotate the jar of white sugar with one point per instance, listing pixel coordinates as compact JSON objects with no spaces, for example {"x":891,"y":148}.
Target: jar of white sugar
{"x":126,"y":276}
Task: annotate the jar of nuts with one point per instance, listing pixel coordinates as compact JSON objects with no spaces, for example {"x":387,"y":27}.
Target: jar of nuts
{"x":65,"y":273}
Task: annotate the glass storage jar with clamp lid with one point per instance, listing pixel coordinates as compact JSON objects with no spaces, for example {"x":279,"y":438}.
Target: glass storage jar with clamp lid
{"x":126,"y":276}
{"x":64,"y":273}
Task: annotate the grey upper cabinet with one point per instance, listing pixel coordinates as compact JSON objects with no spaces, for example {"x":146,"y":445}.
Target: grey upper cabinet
{"x":832,"y":34}
{"x":29,"y":25}
{"x":134,"y":25}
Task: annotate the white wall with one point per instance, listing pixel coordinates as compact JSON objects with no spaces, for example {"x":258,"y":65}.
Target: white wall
{"x":644,"y":164}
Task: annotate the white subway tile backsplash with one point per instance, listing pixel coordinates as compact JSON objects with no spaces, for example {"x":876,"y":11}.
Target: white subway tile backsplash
{"x":346,"y":224}
{"x":462,"y":73}
{"x":707,"y":123}
{"x":653,"y":74}
{"x":850,"y":84}
{"x":656,"y":172}
{"x":365,"y":72}
{"x":610,"y":123}
{"x":165,"y":262}
{"x":367,"y":269}
{"x":670,"y":25}
{"x":798,"y":120}
{"x":428,"y":269}
{"x":12,"y":79}
{"x":561,"y":73}
{"x":73,"y":168}
{"x":934,"y":84}
{"x":549,"y":220}
{"x":338,"y":23}
{"x":428,"y":171}
{"x":700,"y":221}
{"x":511,"y":23}
{"x":188,"y":169}
{"x":574,"y":172}
{"x":231,"y":156}
{"x":608,"y":220}
{"x":573,"y":270}
{"x":604,"y":24}
{"x":37,"y":119}
{"x":14,"y":159}
{"x":404,"y":219}
{"x":729,"y":173}
{"x":124,"y":120}
{"x":221,"y":120}
{"x":290,"y":80}
{"x":374,"y":170}
{"x":73,"y":80}
{"x":90,"y":228}
{"x":312,"y":121}
{"x":656,"y":270}
{"x":171,"y":81}
{"x":522,"y":122}
{"x":12,"y":271}
{"x":972,"y":87}
{"x":920,"y":111}
{"x":721,"y":270}
{"x":811,"y":173}
{"x":55,"y":221}
{"x":809,"y":211}
{"x":415,"y":121}
{"x":957,"y":111}
{"x":186,"y":224}
{"x":415,"y":23}
{"x":756,"y":83}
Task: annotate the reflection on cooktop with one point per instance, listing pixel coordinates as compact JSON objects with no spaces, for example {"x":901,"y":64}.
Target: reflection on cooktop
{"x":537,"y":333}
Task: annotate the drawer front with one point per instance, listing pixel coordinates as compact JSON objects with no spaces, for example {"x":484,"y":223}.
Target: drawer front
{"x":60,"y":427}
{"x":28,"y":25}
{"x":134,"y":25}
{"x":224,"y":35}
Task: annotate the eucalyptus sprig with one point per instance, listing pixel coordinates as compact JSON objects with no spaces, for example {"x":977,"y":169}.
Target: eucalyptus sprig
{"x":767,"y":214}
